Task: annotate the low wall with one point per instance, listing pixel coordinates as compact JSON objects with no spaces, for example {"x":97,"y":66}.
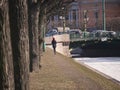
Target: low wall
{"x":62,"y":43}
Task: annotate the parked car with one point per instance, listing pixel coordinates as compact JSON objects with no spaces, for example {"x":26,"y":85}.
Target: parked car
{"x":74,"y":33}
{"x":85,"y":34}
{"x":103,"y":33}
{"x":51,"y":32}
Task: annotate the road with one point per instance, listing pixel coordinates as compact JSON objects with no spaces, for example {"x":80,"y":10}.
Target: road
{"x":107,"y":66}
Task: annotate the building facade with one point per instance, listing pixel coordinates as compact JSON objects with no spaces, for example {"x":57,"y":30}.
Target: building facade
{"x":88,"y":14}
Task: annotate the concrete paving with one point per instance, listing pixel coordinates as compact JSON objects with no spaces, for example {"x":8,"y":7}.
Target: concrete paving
{"x":108,"y":66}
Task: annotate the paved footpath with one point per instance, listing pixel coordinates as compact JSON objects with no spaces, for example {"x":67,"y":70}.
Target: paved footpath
{"x":62,"y":73}
{"x":107,"y":66}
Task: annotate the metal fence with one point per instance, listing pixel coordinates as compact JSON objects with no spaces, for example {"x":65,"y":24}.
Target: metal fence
{"x":94,"y":36}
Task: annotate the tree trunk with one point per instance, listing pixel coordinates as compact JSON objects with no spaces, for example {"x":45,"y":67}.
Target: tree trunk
{"x":42,"y":28}
{"x":6,"y":60}
{"x":33,"y":35}
{"x":20,"y":42}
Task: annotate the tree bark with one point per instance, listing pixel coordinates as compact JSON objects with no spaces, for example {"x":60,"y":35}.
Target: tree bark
{"x":20,"y":42}
{"x":42,"y":29}
{"x":6,"y":60}
{"x":33,"y":35}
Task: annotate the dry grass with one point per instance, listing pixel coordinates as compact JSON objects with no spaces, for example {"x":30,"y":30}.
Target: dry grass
{"x":62,"y":73}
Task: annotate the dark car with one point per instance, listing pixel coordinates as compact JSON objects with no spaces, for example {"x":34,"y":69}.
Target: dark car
{"x":51,"y":32}
{"x":74,"y":33}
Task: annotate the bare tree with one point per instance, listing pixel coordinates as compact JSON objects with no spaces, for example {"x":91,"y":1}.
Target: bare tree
{"x":114,"y":24}
{"x":38,"y":10}
{"x":6,"y":60}
{"x":33,"y":12}
{"x":20,"y":42}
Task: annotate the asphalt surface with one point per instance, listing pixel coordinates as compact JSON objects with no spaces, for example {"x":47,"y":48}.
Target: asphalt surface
{"x":107,"y":66}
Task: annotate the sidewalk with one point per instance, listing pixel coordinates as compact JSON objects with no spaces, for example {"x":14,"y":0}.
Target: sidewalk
{"x":62,"y":73}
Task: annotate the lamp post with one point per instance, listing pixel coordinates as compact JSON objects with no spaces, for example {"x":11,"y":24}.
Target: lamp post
{"x":103,"y":15}
{"x":63,"y":19}
{"x":85,"y":21}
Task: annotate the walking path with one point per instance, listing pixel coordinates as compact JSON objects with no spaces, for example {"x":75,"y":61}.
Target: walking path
{"x":62,"y":73}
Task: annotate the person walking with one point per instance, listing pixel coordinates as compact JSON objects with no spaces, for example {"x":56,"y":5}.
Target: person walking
{"x":54,"y":45}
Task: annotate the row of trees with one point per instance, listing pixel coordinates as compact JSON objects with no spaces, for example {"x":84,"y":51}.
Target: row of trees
{"x":21,"y":25}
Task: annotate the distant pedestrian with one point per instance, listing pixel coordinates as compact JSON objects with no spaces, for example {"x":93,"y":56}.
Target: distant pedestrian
{"x":54,"y":45}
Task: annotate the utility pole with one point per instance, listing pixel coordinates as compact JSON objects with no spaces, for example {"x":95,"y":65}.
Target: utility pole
{"x":103,"y":15}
